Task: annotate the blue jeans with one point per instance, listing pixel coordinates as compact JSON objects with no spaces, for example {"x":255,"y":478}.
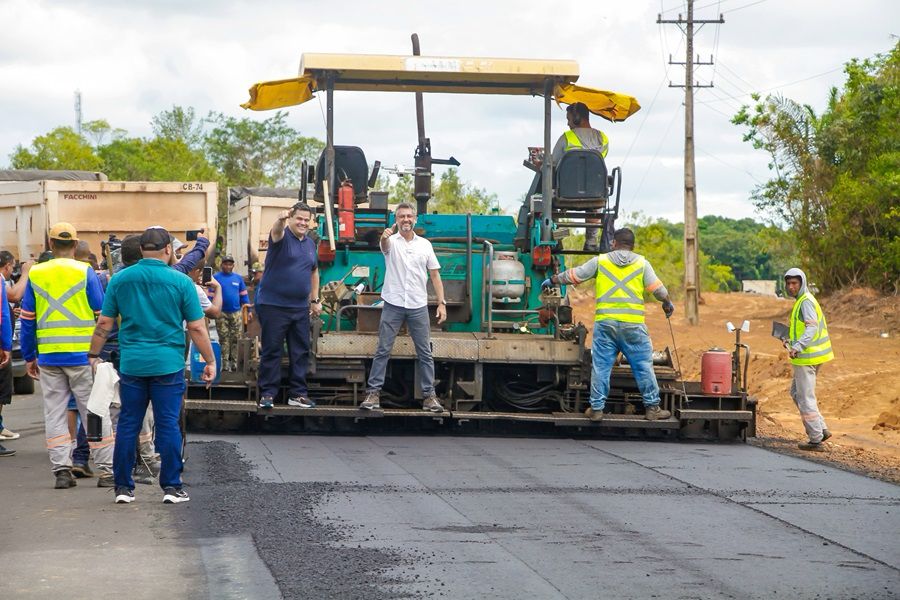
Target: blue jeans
{"x":419,"y":326}
{"x":165,"y":392}
{"x":632,"y":339}
{"x":277,"y":324}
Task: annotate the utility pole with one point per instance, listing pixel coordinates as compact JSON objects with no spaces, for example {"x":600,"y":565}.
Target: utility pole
{"x":78,"y":111}
{"x":691,"y":237}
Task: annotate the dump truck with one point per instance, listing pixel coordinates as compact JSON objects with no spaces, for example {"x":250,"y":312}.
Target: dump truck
{"x":99,"y":209}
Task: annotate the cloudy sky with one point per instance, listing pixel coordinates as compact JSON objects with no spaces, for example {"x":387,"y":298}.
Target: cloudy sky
{"x":132,"y":60}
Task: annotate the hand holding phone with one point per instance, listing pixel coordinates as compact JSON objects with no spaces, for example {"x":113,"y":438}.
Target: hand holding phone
{"x":207,"y":275}
{"x":191,"y":234}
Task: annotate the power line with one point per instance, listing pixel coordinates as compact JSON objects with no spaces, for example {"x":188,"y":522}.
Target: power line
{"x":778,"y":87}
{"x":655,"y":154}
{"x":716,"y":40}
{"x":691,"y":233}
{"x":714,"y":109}
{"x":728,"y":164}
{"x":731,"y":10}
{"x":696,"y":7}
{"x":733,"y":105}
{"x":727,"y":68}
{"x":646,"y":116}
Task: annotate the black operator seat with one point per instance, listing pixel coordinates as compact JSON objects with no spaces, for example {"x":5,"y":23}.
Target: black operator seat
{"x":349,"y":163}
{"x":581,"y":180}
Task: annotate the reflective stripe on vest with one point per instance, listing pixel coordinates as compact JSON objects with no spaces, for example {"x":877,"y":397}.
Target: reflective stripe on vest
{"x":572,"y":142}
{"x":64,"y":319}
{"x":819,"y":349}
{"x":620,"y":291}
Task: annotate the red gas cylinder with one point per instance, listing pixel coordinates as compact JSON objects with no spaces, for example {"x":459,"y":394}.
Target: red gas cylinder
{"x":346,"y":216}
{"x":715,"y":372}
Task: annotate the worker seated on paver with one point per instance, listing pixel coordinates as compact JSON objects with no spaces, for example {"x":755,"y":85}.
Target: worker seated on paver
{"x":621,"y":278}
{"x":582,"y":136}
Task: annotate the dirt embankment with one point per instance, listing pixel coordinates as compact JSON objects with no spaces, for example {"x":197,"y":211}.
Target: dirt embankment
{"x":858,"y":392}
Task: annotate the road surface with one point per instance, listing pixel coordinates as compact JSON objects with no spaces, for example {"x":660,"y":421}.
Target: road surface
{"x":455,"y":517}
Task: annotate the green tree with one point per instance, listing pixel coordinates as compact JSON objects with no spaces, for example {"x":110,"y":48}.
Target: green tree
{"x":661,"y":243}
{"x":62,"y":148}
{"x":835,"y":175}
{"x":157,"y":159}
{"x":451,"y":195}
{"x":249,"y":152}
{"x":454,"y":196}
{"x":401,"y":191}
{"x":100,"y":131}
{"x":180,"y":124}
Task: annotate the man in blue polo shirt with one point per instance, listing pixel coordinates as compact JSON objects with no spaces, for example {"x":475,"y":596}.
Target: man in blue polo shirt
{"x":153,"y":302}
{"x":287,"y":295}
{"x":234,"y":296}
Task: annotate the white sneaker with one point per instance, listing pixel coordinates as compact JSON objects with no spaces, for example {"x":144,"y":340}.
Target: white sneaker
{"x":6,"y":434}
{"x":174,"y":495}
{"x":124,"y":495}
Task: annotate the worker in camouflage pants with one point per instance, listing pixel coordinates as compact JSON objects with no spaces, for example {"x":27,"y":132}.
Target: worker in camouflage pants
{"x":229,"y":325}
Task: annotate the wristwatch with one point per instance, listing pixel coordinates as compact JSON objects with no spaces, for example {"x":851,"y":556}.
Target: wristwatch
{"x":316,"y":301}
{"x":93,"y":355}
{"x":444,"y":302}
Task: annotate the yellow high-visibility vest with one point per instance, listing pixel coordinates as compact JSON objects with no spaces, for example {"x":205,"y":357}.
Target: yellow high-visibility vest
{"x":572,"y":142}
{"x":64,"y":320}
{"x":819,"y":349}
{"x":620,"y":291}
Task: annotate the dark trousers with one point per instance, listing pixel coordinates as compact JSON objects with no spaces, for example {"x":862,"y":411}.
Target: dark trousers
{"x":82,"y":451}
{"x":279,"y":324}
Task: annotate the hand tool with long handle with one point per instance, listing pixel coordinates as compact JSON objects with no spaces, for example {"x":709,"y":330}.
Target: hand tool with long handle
{"x":675,"y":349}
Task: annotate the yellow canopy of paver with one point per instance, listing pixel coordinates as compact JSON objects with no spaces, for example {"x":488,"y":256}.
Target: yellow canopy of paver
{"x":441,"y":74}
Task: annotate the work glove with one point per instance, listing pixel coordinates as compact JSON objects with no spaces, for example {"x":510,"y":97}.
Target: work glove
{"x":668,"y":308}
{"x":546,"y":284}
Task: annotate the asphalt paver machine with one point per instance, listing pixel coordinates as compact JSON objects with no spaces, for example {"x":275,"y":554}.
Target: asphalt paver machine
{"x":509,"y":352}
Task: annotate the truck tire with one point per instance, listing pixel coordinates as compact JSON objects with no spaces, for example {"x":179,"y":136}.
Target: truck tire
{"x":23,"y":385}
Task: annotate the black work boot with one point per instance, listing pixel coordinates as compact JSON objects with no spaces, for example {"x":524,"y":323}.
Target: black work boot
{"x":64,"y":479}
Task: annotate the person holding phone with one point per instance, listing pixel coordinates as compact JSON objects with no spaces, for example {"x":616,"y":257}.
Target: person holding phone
{"x":581,"y":135}
{"x":409,"y":262}
{"x":288,"y":294}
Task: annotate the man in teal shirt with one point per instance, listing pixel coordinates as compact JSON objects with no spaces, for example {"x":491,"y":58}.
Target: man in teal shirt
{"x":153,"y":302}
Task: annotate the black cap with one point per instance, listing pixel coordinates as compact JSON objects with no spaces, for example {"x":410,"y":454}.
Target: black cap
{"x":228,"y":258}
{"x":155,"y":238}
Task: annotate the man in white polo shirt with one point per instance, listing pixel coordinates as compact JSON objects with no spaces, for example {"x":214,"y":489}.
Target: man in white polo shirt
{"x":410,"y":260}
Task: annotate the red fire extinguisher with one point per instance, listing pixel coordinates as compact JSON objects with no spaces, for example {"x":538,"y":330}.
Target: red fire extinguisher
{"x":346,"y":219}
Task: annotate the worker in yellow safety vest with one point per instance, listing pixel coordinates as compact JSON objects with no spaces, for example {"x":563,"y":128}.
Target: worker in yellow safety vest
{"x":809,"y":347}
{"x":621,"y":277}
{"x":59,"y":306}
{"x":581,"y":135}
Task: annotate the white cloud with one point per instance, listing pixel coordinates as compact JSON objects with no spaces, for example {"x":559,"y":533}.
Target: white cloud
{"x":133,"y":60}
